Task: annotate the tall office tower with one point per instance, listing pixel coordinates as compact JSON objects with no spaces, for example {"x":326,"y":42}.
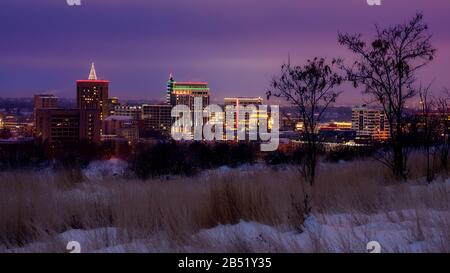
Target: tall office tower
{"x":185,"y":92}
{"x":92,"y":100}
{"x":93,"y":93}
{"x":239,"y":103}
{"x":370,"y":123}
{"x":42,"y":101}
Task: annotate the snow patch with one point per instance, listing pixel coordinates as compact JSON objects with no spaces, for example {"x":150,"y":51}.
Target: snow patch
{"x":105,"y":168}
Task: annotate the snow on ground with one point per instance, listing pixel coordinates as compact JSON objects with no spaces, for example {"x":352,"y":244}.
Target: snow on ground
{"x":332,"y":233}
{"x":105,"y":168}
{"x":405,"y":230}
{"x":395,"y":231}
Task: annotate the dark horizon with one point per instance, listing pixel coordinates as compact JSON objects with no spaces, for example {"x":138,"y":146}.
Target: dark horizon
{"x":236,"y":46}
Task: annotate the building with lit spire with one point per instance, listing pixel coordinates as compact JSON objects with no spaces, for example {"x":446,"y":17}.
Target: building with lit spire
{"x":92,"y":100}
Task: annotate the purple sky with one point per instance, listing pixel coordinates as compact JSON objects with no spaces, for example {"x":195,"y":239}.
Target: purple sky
{"x":235,"y":45}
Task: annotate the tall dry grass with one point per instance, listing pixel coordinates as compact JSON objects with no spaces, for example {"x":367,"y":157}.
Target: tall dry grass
{"x":34,"y":207}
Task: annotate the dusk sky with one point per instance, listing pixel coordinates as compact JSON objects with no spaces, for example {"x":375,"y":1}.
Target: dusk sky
{"x":234,"y":45}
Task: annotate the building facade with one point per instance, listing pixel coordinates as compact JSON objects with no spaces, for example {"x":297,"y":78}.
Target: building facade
{"x":58,"y":126}
{"x":157,"y":117}
{"x":250,"y":116}
{"x":43,"y":101}
{"x":92,"y":101}
{"x":370,"y":124}
{"x":135,"y":112}
{"x":120,"y":127}
{"x":183,"y":93}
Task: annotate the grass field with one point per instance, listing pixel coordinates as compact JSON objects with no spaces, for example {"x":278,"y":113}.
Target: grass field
{"x":237,"y":210}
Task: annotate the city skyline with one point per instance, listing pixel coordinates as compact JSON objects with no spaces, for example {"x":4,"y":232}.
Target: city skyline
{"x":220,"y":135}
{"x":237,"y":52}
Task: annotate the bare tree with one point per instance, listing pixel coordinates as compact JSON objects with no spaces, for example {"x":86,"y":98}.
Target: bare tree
{"x":311,"y":88}
{"x":429,"y":123}
{"x":443,"y":107}
{"x":386,"y":67}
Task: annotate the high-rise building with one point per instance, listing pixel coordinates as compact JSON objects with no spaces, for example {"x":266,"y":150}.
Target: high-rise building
{"x":184,"y":92}
{"x":92,"y":100}
{"x":93,"y":93}
{"x":370,"y":123}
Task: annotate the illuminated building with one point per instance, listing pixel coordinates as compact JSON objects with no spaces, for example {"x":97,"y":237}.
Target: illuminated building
{"x":184,"y":93}
{"x":17,"y":125}
{"x":336,"y":126}
{"x":239,"y":103}
{"x":438,"y":122}
{"x":92,"y":93}
{"x":92,"y":100}
{"x":370,"y":124}
{"x":157,"y":117}
{"x":336,"y":132}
